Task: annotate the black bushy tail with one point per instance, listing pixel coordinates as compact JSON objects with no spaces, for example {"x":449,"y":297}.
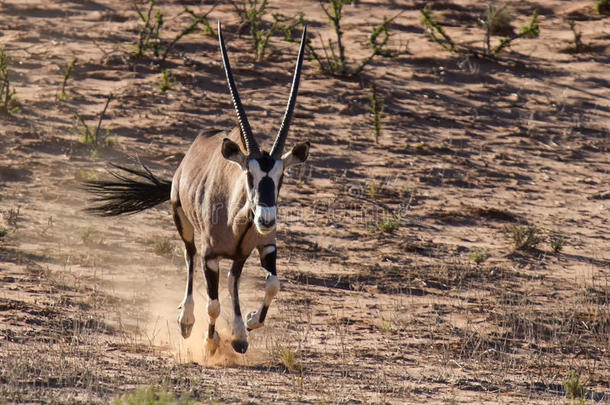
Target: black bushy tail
{"x":127,"y":195}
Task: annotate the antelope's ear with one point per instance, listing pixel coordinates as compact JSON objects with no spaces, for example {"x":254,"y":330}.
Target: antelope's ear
{"x":298,"y":154}
{"x":231,"y":151}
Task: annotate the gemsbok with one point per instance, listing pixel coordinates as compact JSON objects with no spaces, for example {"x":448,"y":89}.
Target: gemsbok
{"x":226,"y":195}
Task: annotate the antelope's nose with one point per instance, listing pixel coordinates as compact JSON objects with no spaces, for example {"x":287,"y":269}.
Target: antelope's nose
{"x":265,"y":218}
{"x":266,"y":222}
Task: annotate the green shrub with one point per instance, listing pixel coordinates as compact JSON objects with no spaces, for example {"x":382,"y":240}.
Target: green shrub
{"x":602,"y":6}
{"x":152,"y":396}
{"x":524,"y":237}
{"x":8,"y":99}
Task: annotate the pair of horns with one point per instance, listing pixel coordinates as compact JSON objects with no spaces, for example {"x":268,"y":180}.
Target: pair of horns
{"x":246,"y":132}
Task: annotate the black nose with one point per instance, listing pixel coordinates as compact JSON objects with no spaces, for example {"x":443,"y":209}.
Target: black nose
{"x":266,"y":224}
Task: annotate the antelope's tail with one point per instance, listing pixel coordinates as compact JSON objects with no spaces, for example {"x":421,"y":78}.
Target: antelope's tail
{"x":133,"y":190}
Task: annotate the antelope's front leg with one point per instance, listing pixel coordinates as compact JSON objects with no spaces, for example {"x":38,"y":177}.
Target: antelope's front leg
{"x":268,"y":255}
{"x":210,"y":270}
{"x":239,"y":339}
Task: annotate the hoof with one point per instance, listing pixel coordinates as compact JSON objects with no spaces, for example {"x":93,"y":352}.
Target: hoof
{"x":186,"y":323}
{"x":212,"y":344}
{"x":252,"y":321}
{"x":186,"y":330}
{"x":240,"y":346}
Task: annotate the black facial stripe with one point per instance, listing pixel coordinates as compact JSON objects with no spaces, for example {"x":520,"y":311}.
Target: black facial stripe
{"x":266,"y":192}
{"x":266,"y":163}
{"x":250,"y":181}
{"x":280,"y":182}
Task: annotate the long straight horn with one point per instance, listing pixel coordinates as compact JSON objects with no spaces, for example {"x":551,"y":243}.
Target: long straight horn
{"x":245,"y":131}
{"x":280,"y":139}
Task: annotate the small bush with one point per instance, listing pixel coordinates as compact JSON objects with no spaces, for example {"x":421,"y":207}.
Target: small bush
{"x":388,"y":225}
{"x":92,"y":237}
{"x":252,"y":14}
{"x":167,"y":81}
{"x":478,"y":256}
{"x":163,"y":246}
{"x":62,"y":94}
{"x":8,"y":100}
{"x":498,"y":21}
{"x":557,"y":242}
{"x":3,"y":231}
{"x":13,"y":217}
{"x":524,"y":237}
{"x":95,"y":136}
{"x":602,"y":6}
{"x":377,"y":106}
{"x":577,"y":46}
{"x":149,"y":37}
{"x":332,"y":59}
{"x":371,"y":190}
{"x":573,"y":387}
{"x":437,"y":33}
{"x":153,"y":396}
{"x":288,"y":358}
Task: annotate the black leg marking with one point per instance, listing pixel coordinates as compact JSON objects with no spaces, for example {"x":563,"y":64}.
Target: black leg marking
{"x":268,"y":261}
{"x":211,"y":330}
{"x":263,"y":314}
{"x":211,"y":278}
{"x":236,"y":270}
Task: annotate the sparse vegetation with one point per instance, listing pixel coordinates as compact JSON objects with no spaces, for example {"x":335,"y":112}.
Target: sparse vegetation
{"x":87,"y":175}
{"x":63,"y":95}
{"x":478,"y":256}
{"x":197,"y":21}
{"x":153,"y":396}
{"x":252,"y":14}
{"x":377,"y":106}
{"x":389,"y":225}
{"x":92,"y":237}
{"x":167,"y":81}
{"x":498,"y":21}
{"x":557,"y":242}
{"x":386,"y":326}
{"x":602,"y":6}
{"x":573,"y":387}
{"x":149,"y":37}
{"x":333,"y":61}
{"x":577,"y":46}
{"x":288,"y":359}
{"x":13,"y":216}
{"x":371,"y":190}
{"x":95,"y":136}
{"x":3,"y":231}
{"x":8,"y":99}
{"x":163,"y":246}
{"x":524,"y":237}
{"x":438,"y":34}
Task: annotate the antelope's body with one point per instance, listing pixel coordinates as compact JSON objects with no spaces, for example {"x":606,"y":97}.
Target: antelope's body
{"x":227,"y":193}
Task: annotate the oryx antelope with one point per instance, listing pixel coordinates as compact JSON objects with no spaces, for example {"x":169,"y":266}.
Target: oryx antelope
{"x":226,"y":196}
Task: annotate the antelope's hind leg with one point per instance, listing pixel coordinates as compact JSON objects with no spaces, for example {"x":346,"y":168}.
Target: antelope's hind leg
{"x":268,"y":255}
{"x":186,"y":319}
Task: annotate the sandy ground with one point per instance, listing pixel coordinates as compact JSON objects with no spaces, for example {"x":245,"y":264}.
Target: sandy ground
{"x":470,"y":148}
